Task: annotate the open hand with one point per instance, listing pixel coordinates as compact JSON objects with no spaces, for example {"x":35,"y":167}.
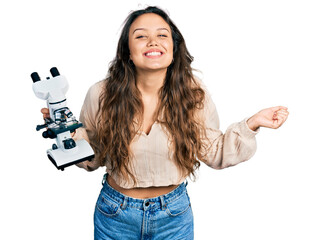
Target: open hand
{"x":272,"y":117}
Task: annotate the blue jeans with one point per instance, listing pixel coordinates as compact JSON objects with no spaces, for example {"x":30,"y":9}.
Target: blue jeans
{"x":120,"y":217}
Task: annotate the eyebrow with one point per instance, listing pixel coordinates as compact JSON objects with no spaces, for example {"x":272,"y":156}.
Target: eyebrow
{"x":145,"y":29}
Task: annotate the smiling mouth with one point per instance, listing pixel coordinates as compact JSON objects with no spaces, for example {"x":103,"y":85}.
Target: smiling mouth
{"x":153,"y":54}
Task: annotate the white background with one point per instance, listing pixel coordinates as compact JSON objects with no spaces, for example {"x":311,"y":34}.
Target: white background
{"x":252,"y":55}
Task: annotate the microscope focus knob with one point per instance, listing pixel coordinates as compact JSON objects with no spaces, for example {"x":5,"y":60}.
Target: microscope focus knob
{"x":69,"y":143}
{"x":48,"y":134}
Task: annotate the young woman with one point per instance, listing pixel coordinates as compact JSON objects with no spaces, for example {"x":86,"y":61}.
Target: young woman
{"x":151,"y":122}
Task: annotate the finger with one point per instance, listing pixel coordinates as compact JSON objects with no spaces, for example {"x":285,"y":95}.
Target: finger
{"x":276,"y":124}
{"x":284,"y":118}
{"x":283,"y":110}
{"x":72,"y":134}
{"x":275,"y":116}
{"x":281,"y":117}
{"x":282,"y":113}
{"x":280,"y":121}
{"x":278,"y":108}
{"x":45,"y":111}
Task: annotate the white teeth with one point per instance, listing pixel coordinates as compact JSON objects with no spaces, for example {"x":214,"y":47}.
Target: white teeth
{"x":153,"y":54}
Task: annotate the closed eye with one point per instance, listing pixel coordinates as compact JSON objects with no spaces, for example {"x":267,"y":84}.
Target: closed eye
{"x":141,"y":36}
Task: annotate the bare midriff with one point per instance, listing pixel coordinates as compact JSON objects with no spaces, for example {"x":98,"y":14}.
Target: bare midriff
{"x":141,"y":193}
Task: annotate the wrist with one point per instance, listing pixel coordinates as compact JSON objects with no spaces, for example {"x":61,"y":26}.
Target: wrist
{"x":253,"y":123}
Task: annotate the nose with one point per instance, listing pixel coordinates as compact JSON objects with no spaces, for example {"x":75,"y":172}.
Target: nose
{"x":152,"y":42}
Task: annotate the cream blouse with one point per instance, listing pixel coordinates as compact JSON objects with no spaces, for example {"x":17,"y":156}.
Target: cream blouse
{"x":152,"y":163}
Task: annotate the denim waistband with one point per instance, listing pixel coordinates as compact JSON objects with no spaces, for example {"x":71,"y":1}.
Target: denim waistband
{"x":159,"y":202}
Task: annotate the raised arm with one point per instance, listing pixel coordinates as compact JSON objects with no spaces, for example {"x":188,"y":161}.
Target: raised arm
{"x":238,"y":143}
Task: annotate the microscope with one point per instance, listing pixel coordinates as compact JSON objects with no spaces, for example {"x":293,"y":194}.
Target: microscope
{"x":61,"y":122}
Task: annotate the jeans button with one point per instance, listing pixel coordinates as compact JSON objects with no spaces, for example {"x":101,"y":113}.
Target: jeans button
{"x":147,"y":204}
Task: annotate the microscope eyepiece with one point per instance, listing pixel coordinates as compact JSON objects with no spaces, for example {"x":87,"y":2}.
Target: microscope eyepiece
{"x":54,"y":72}
{"x":35,"y":77}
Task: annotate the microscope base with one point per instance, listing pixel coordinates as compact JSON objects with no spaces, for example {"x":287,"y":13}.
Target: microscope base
{"x":62,"y":159}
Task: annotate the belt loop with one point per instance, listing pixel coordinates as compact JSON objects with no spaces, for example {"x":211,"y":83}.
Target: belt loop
{"x":163,"y":202}
{"x":104,"y":178}
{"x":124,"y":204}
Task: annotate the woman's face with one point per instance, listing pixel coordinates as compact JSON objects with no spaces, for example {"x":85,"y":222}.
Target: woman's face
{"x":150,"y":43}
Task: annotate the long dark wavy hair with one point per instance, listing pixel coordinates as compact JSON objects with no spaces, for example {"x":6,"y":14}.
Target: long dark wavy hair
{"x":121,"y":107}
